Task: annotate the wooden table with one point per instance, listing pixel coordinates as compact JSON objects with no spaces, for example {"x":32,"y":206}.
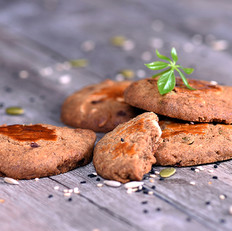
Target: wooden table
{"x":38,"y":38}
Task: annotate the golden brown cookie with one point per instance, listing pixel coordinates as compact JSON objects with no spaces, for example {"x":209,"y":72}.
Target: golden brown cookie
{"x":209,"y":103}
{"x":30,"y":151}
{"x":187,"y":144}
{"x":99,"y":107}
{"x":127,"y":152}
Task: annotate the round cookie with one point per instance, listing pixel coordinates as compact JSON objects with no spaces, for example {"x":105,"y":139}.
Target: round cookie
{"x":209,"y":103}
{"x":99,"y":107}
{"x":127,"y":152}
{"x":193,"y":144}
{"x":30,"y":151}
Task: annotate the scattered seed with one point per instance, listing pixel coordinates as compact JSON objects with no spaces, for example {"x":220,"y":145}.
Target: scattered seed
{"x":215,"y":166}
{"x":70,"y":190}
{"x":220,"y":45}
{"x":153,"y":187}
{"x":76,"y":190}
{"x":157,"y":172}
{"x":191,"y":122}
{"x":167,"y":172}
{"x":83,"y":182}
{"x":56,"y":188}
{"x":14,"y":111}
{"x":34,"y":145}
{"x":99,"y":185}
{"x":119,"y":77}
{"x":192,"y":169}
{"x":145,"y":211}
{"x":192,"y":182}
{"x":161,"y":178}
{"x":10,"y":180}
{"x":118,"y":41}
{"x":222,"y":221}
{"x":2,"y":201}
{"x":98,"y":179}
{"x":133,"y":184}
{"x":209,"y":182}
{"x":65,"y":79}
{"x":215,"y":177}
{"x":50,"y":196}
{"x":36,"y":179}
{"x":67,"y":194}
{"x":23,"y":74}
{"x":200,"y":168}
{"x":158,"y":209}
{"x":222,"y":197}
{"x":70,"y":199}
{"x":127,"y":73}
{"x":122,"y":140}
{"x":214,"y":83}
{"x":153,"y":175}
{"x":129,"y":190}
{"x":197,"y":170}
{"x":144,"y":202}
{"x":92,"y":175}
{"x":151,"y":180}
{"x":188,"y":219}
{"x":79,"y":63}
{"x":210,"y":170}
{"x":150,"y":193}
{"x":112,"y":183}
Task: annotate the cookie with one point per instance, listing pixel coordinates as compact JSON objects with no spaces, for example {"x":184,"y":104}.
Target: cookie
{"x":99,"y":107}
{"x":209,"y":103}
{"x":127,"y":152}
{"x":30,"y":151}
{"x":193,"y":144}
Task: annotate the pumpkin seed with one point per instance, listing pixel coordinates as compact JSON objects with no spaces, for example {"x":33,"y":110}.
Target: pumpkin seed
{"x":118,"y":41}
{"x":127,"y":73}
{"x":167,"y":172}
{"x":79,"y":63}
{"x":14,"y":111}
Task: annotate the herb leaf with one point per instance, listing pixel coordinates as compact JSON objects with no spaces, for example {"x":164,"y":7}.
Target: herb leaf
{"x":174,"y":55}
{"x":157,"y":65}
{"x":185,"y":80}
{"x":162,"y":56}
{"x":167,"y":80}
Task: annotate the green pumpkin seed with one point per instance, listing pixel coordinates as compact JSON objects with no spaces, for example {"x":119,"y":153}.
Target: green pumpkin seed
{"x":14,"y":111}
{"x":167,"y":172}
{"x":118,"y":41}
{"x":127,"y":73}
{"x":79,"y":63}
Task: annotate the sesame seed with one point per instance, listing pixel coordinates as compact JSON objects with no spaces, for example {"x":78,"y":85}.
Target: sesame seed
{"x":92,"y":175}
{"x":98,"y":179}
{"x":76,"y":190}
{"x":145,"y":211}
{"x":133,"y":184}
{"x":83,"y":182}
{"x":197,"y":170}
{"x":192,"y":182}
{"x":36,"y":179}
{"x":122,"y":140}
{"x":188,"y":219}
{"x":65,"y":190}
{"x":56,"y":187}
{"x":157,"y":172}
{"x":192,"y":169}
{"x":200,"y":168}
{"x":214,"y":83}
{"x":23,"y":74}
{"x":158,"y":209}
{"x":144,"y":202}
{"x":151,"y":180}
{"x":129,"y":190}
{"x":207,"y":202}
{"x":50,"y":196}
{"x":70,"y":199}
{"x":47,"y":71}
{"x":215,"y":177}
{"x":112,"y":183}
{"x":70,"y":190}
{"x":153,"y":175}
{"x":141,"y":73}
{"x":99,"y":185}
{"x":153,"y":187}
{"x":150,"y":193}
{"x":191,"y":122}
{"x":230,"y":210}
{"x":222,"y":197}
{"x":10,"y":180}
{"x":67,"y":194}
{"x":215,"y":166}
{"x":128,"y":45}
{"x":210,"y":170}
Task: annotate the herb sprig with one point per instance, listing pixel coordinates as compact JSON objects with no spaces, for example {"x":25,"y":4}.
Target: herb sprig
{"x":167,"y":79}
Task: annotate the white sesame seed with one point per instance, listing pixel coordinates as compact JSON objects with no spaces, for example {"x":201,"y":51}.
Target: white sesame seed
{"x":150,"y":193}
{"x":119,"y":77}
{"x":146,"y":56}
{"x":94,"y":173}
{"x":36,"y":179}
{"x":210,"y":170}
{"x":157,"y":172}
{"x":99,"y":185}
{"x":88,"y":46}
{"x":128,"y":45}
{"x":47,"y":71}
{"x":197,"y":170}
{"x":70,"y":190}
{"x":153,"y":175}
{"x":76,"y":190}
{"x":133,"y":184}
{"x":141,"y":73}
{"x":191,"y":122}
{"x":67,"y":194}
{"x":222,"y":197}
{"x":192,"y":182}
{"x":23,"y":74}
{"x":230,"y":210}
{"x":112,"y":183}
{"x":65,"y":79}
{"x":156,"y":43}
{"x":200,"y":168}
{"x":10,"y":180}
{"x":213,"y":83}
{"x":56,"y":187}
{"x":151,"y":180}
{"x":129,"y":190}
{"x":65,"y":190}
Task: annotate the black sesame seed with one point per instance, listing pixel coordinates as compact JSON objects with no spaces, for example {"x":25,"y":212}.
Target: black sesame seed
{"x":192,"y":169}
{"x":215,"y":166}
{"x":50,"y":196}
{"x":153,"y":187}
{"x":207,"y":202}
{"x":98,"y":179}
{"x":122,"y":140}
{"x":161,"y":178}
{"x":83,"y":182}
{"x":92,"y":175}
{"x":145,"y":190}
{"x":158,"y":209}
{"x":152,"y":171}
{"x":144,"y":202}
{"x":222,"y":221}
{"x":215,"y":177}
{"x":70,"y":199}
{"x":188,"y":219}
{"x":8,"y":89}
{"x":34,"y":145}
{"x":1,"y":105}
{"x":145,"y":211}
